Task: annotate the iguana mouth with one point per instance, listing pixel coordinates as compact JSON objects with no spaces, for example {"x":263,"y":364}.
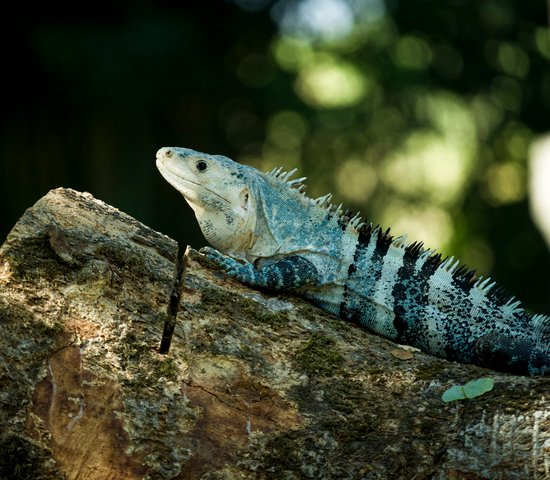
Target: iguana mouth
{"x":184,"y":179}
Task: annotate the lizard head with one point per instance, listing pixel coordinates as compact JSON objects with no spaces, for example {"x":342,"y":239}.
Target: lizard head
{"x":217,"y":190}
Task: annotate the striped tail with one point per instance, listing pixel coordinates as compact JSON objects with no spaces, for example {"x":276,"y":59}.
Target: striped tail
{"x":519,"y":355}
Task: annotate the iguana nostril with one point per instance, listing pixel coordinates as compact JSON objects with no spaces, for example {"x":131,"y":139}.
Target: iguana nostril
{"x":164,"y":151}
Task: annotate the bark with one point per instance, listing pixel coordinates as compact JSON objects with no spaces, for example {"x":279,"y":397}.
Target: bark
{"x":255,"y":386}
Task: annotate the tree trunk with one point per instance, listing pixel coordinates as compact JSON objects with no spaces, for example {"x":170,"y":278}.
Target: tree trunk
{"x":254,"y":385}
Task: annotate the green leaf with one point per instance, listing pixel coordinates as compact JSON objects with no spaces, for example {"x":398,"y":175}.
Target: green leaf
{"x":472,"y":389}
{"x":478,"y":387}
{"x":456,"y":392}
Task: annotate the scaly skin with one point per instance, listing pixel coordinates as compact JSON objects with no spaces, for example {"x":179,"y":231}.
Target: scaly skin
{"x":267,"y":233}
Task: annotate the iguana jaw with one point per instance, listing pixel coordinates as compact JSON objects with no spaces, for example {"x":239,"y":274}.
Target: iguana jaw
{"x":182,"y":178}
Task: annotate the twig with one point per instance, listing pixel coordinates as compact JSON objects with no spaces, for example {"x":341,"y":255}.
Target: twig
{"x":174,"y":302}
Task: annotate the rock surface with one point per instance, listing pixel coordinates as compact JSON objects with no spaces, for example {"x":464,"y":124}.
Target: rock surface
{"x":254,"y":386}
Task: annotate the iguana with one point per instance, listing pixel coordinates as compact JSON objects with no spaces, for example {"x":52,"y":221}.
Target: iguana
{"x":268,"y":233}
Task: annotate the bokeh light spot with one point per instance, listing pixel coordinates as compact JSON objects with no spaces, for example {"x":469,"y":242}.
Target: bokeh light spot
{"x":356,"y":180}
{"x":412,"y":52}
{"x":330,"y":83}
{"x":286,"y":129}
{"x":506,"y":183}
{"x":513,"y":60}
{"x":292,"y":53}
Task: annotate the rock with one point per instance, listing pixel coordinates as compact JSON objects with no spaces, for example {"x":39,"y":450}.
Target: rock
{"x":254,"y":386}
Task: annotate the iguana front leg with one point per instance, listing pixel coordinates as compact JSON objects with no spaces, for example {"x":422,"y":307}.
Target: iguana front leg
{"x":289,"y":273}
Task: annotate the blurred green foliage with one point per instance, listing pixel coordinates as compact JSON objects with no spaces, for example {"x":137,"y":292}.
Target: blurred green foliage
{"x":420,"y":114}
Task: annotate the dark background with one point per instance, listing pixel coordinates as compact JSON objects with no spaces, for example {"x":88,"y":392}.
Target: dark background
{"x":432,"y":105}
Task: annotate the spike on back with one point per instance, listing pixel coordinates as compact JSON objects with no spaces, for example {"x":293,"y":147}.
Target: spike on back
{"x":284,"y":178}
{"x":401,"y":241}
{"x":324,"y":200}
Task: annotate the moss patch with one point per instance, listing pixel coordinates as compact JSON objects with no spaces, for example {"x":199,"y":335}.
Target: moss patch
{"x":132,"y":349}
{"x":430,"y":371}
{"x":319,"y":356}
{"x":34,"y":259}
{"x":123,"y":258}
{"x":219,"y":300}
{"x":165,"y":367}
{"x":281,"y":456}
{"x":140,"y":358}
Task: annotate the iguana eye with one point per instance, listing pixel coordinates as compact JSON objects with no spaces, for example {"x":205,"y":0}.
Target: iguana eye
{"x":201,"y":166}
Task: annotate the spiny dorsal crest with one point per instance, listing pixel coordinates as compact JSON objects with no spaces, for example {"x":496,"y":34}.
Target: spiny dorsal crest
{"x":282,"y":178}
{"x":355,"y":221}
{"x":459,"y":272}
